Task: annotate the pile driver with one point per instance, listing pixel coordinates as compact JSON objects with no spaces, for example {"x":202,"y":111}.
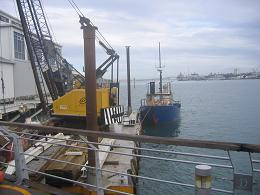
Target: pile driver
{"x":57,"y":78}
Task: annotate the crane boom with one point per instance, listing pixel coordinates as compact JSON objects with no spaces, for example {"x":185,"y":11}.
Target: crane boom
{"x":113,"y":56}
{"x":39,"y":39}
{"x":51,"y":71}
{"x":31,"y":51}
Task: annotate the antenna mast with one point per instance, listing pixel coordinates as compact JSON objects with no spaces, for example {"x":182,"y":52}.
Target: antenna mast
{"x":160,"y":69}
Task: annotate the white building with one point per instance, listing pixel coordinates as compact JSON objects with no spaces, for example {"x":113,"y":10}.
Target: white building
{"x":16,"y":76}
{"x":16,"y":72}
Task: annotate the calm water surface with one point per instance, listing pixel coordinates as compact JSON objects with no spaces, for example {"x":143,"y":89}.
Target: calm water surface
{"x":211,"y":110}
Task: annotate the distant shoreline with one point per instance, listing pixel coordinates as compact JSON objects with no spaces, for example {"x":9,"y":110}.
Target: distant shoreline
{"x":174,"y":79}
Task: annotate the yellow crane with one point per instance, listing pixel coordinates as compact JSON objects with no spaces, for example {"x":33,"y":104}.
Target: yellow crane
{"x":54,"y":75}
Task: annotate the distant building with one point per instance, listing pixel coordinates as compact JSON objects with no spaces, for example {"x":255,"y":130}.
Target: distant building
{"x":16,"y":73}
{"x":191,"y":77}
{"x":195,"y":77}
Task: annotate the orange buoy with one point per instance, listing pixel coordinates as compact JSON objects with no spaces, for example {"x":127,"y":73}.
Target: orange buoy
{"x":1,"y":176}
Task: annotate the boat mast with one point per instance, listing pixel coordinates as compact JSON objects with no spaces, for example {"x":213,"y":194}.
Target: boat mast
{"x":160,"y":69}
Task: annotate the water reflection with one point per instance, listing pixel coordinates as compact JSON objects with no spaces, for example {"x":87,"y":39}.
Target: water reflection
{"x":167,"y":130}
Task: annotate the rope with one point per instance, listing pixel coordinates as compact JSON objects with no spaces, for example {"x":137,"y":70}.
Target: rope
{"x":146,"y":114}
{"x":144,"y":118}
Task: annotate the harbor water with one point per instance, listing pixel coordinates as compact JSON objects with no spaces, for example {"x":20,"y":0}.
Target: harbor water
{"x":211,"y":110}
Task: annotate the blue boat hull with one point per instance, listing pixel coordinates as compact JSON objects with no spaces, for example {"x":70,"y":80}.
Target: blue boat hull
{"x":159,"y":115}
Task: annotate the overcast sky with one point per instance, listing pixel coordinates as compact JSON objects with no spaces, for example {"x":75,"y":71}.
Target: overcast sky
{"x":200,"y":36}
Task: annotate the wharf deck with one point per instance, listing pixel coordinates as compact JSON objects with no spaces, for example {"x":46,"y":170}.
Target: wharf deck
{"x":11,"y":107}
{"x":118,"y":163}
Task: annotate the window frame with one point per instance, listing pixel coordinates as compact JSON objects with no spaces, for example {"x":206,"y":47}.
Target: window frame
{"x":19,"y":46}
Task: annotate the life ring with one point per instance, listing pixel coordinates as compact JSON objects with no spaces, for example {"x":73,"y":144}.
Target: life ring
{"x":15,"y":188}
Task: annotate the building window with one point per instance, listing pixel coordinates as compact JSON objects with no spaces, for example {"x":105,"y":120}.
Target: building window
{"x":16,"y":23}
{"x":19,"y":46}
{"x":4,"y":19}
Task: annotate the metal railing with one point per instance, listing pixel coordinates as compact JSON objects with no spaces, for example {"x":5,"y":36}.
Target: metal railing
{"x":142,"y":152}
{"x":163,"y":99}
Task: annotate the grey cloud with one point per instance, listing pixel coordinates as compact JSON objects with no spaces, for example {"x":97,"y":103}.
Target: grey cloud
{"x":199,"y":36}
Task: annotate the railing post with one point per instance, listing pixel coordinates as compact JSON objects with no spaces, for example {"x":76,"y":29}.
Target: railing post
{"x":20,"y":164}
{"x":98,"y":174}
{"x":203,"y":180}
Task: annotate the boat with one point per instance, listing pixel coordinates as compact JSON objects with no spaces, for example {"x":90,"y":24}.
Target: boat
{"x":159,"y":108}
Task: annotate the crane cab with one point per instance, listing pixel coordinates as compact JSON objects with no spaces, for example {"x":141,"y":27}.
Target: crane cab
{"x":73,"y":105}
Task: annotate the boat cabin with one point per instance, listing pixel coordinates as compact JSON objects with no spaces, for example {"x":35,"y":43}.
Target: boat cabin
{"x":161,"y":97}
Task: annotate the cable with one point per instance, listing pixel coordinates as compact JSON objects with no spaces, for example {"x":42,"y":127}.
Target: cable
{"x":104,"y":39}
{"x":74,"y":8}
{"x":77,"y":7}
{"x":79,"y":12}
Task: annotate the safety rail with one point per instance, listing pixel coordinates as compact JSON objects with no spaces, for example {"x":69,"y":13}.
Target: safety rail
{"x":144,"y":101}
{"x":139,"y":152}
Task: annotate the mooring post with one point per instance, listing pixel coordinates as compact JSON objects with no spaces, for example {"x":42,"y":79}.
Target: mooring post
{"x":89,"y":34}
{"x":203,"y":180}
{"x":129,"y":108}
{"x":117,"y":79}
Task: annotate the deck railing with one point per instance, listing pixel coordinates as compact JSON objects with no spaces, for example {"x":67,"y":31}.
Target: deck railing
{"x":216,"y":156}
